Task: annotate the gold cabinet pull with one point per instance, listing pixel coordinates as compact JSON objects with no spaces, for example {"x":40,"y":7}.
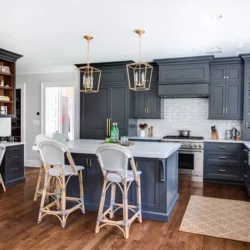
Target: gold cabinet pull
{"x":222,"y":170}
{"x":222,"y":157}
{"x":90,"y":162}
{"x":147,"y":110}
{"x":87,"y":163}
{"x":226,"y":110}
{"x":107,"y":126}
{"x":223,"y":110}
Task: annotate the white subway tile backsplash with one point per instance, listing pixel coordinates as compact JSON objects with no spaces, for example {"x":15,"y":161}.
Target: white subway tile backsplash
{"x":189,"y":114}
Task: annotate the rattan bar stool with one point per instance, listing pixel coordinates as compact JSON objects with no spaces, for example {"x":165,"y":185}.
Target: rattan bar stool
{"x":38,"y":192}
{"x":52,"y":153}
{"x":114,"y":160}
{"x":2,"y":152}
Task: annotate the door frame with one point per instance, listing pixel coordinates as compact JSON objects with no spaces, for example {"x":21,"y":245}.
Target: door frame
{"x":76,"y":117}
{"x":22,"y":87}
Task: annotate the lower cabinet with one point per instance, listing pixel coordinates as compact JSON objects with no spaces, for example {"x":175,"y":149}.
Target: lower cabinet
{"x":223,"y":162}
{"x":12,"y":167}
{"x":159,"y":185}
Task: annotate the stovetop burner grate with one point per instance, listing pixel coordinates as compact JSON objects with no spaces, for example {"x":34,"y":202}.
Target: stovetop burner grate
{"x":183,"y":137}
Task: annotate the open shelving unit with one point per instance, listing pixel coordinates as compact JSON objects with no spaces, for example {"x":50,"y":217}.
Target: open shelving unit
{"x":7,"y":82}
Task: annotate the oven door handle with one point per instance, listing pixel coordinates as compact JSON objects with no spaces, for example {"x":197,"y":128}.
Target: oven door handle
{"x":190,"y":151}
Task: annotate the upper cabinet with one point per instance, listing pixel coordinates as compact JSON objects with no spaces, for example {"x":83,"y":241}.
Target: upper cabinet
{"x":222,"y":73}
{"x":246,"y":114}
{"x":148,"y":103}
{"x":7,"y":83}
{"x":226,"y":89}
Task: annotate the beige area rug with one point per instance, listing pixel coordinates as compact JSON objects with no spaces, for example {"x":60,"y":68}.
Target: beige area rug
{"x":220,"y":218}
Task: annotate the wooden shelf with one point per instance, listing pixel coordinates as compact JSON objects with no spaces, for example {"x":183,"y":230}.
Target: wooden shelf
{"x":3,"y":87}
{"x":5,"y":74}
{"x":2,"y":101}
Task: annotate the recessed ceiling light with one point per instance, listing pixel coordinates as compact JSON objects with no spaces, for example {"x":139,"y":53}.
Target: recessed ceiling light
{"x":215,"y":50}
{"x":241,"y":44}
{"x":216,"y":16}
{"x":123,"y":56}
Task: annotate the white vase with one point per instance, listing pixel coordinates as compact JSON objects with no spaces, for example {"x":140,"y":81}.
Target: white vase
{"x":142,"y":133}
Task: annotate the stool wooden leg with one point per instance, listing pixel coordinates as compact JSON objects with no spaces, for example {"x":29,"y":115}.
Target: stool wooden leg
{"x":1,"y":181}
{"x":99,"y":218}
{"x":81,"y":191}
{"x":58,"y":191}
{"x":138,"y":191}
{"x":38,"y":182}
{"x":125,"y":211}
{"x":46,"y":182}
{"x":63,"y":201}
{"x":112,"y":200}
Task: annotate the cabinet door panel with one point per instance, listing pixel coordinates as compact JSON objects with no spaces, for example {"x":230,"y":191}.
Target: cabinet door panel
{"x":217,"y":96}
{"x":234,"y":72}
{"x":218,"y":73}
{"x":153,"y":104}
{"x":94,"y":133}
{"x":234,"y":101}
{"x":118,"y":105}
{"x":96,"y":107}
{"x":150,"y":183}
{"x":140,"y":104}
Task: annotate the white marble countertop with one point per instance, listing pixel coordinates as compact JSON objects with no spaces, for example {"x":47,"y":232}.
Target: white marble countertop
{"x":9,"y":144}
{"x":246,"y":143}
{"x":145,"y":138}
{"x":139,"y":149}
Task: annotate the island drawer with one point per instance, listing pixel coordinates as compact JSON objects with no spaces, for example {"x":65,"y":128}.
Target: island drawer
{"x":222,"y":172}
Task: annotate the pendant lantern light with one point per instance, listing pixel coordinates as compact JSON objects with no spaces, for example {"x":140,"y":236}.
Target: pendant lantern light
{"x":140,"y":73}
{"x":90,"y":76}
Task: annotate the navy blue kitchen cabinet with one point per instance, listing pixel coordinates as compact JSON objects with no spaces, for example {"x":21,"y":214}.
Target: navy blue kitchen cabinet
{"x":148,"y":103}
{"x":246,"y":115}
{"x":226,"y":89}
{"x":12,"y":167}
{"x":111,"y":104}
{"x":159,"y":190}
{"x":223,"y":162}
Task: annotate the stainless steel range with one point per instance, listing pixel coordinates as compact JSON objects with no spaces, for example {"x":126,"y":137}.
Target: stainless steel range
{"x":191,"y":156}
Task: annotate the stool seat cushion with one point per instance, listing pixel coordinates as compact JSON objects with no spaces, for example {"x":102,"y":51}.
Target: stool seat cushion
{"x":113,"y":177}
{"x":67,"y":170}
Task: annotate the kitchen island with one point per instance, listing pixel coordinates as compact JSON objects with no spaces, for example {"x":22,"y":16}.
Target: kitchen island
{"x":158,"y":163}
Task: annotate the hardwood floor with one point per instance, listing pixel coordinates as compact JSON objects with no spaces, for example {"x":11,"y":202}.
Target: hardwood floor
{"x":19,"y":228}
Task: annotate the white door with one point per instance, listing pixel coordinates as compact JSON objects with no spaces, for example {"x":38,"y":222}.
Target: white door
{"x":52,"y":110}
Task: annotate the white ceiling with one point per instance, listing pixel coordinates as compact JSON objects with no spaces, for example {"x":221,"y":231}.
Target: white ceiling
{"x":49,"y":32}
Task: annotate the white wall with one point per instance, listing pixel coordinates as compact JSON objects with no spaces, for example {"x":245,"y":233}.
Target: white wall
{"x":33,"y":105}
{"x":192,"y":114}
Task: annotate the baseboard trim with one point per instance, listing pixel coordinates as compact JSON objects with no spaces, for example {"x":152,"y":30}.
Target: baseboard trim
{"x":32,"y":163}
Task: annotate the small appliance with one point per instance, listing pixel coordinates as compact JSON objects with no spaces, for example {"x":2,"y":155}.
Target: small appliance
{"x":228,"y":134}
{"x":235,"y":133}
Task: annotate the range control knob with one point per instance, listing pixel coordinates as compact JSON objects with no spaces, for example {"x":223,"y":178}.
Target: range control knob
{"x":200,"y":146}
{"x":191,"y":145}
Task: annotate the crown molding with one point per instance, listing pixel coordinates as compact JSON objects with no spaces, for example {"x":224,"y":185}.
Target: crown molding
{"x":46,"y":70}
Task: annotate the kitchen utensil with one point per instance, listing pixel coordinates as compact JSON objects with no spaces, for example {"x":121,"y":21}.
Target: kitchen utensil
{"x":235,"y":133}
{"x":184,"y":133}
{"x":228,"y":134}
{"x":214,"y":133}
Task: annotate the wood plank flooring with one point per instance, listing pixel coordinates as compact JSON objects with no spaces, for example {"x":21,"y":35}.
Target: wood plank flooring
{"x":19,"y":228}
